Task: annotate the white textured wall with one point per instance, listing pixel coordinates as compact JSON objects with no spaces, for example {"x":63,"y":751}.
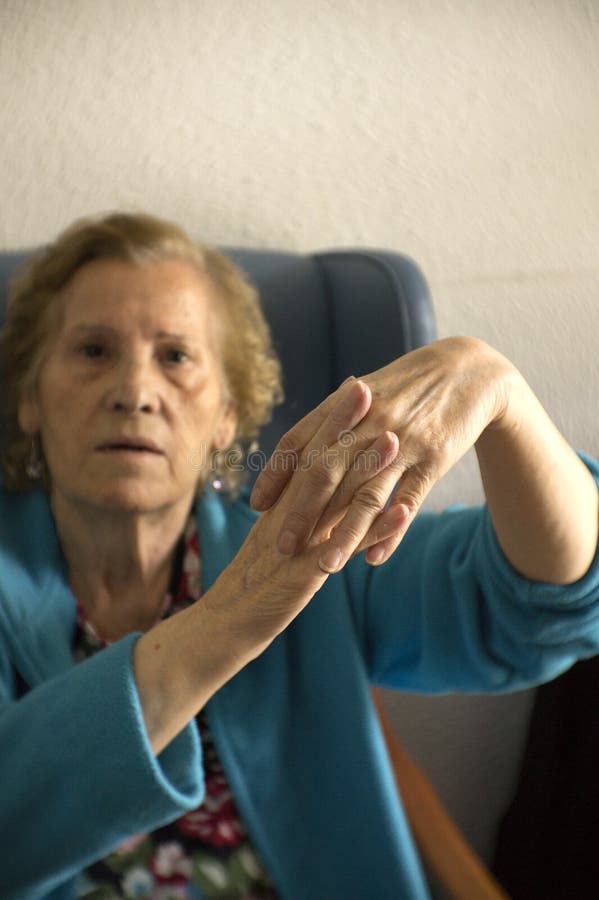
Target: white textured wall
{"x":463,"y":132}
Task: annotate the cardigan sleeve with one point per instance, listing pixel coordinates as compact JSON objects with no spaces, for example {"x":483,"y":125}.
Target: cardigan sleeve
{"x":448,"y":612}
{"x":78,"y":773}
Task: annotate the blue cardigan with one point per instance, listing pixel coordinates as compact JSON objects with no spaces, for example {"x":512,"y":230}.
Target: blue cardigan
{"x":295,"y":729}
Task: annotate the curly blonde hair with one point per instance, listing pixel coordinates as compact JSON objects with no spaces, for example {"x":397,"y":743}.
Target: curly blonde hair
{"x":251,"y":370}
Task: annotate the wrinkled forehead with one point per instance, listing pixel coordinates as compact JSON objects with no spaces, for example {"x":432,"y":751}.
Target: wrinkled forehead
{"x":160,"y":295}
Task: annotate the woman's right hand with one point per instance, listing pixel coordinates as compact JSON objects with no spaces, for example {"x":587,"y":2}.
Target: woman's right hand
{"x":185,"y":659}
{"x":263,"y":590}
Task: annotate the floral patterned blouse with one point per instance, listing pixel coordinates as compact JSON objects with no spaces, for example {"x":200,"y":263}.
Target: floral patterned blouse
{"x":206,"y":853}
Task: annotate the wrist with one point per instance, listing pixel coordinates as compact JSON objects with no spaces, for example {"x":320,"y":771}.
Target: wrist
{"x":509,"y":392}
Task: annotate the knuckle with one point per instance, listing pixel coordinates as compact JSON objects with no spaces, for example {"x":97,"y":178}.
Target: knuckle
{"x":411,"y":502}
{"x":368,"y":461}
{"x":399,"y":464}
{"x":369,"y":499}
{"x":287,"y":443}
{"x":321,"y":476}
{"x":349,"y":533}
{"x":418,"y":474}
{"x":341,"y":416}
{"x":396,"y":465}
{"x":298,"y":520}
{"x":433,"y":437}
{"x":285,"y":455}
{"x":337,"y":416}
{"x":411,"y":495}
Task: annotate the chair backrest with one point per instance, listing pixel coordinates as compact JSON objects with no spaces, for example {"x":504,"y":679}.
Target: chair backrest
{"x":332,"y":314}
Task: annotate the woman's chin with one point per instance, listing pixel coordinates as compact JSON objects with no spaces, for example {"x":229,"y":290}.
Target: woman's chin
{"x":123,"y":492}
{"x":129,"y":502}
{"x":130,"y":497}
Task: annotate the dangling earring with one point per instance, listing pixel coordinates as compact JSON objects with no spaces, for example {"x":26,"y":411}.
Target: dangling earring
{"x":217,"y":481}
{"x":35,"y":465}
{"x":224,"y":463}
{"x":218,"y":469}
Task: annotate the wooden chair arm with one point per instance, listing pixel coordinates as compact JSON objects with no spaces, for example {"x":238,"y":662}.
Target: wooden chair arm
{"x":442,"y":845}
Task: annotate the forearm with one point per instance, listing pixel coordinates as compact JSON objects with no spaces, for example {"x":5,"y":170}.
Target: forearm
{"x":179,"y":665}
{"x":542,"y":499}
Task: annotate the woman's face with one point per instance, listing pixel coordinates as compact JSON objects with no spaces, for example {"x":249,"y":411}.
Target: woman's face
{"x":131,"y":394}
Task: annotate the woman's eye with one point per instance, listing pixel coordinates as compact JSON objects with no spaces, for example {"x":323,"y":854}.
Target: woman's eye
{"x":92,"y":350}
{"x":175,"y":355}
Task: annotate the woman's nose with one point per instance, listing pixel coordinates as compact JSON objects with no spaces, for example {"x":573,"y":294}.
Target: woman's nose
{"x":133,"y":387}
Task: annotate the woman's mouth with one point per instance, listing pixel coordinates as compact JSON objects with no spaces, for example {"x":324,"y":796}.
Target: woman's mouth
{"x":134,"y":446}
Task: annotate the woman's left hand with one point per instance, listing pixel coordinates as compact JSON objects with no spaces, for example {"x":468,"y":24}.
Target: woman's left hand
{"x":437,"y":400}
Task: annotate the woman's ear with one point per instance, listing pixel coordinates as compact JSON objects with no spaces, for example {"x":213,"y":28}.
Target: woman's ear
{"x":224,"y":434}
{"x":28,"y":413}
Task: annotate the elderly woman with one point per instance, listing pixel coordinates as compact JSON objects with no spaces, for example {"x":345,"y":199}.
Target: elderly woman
{"x":180,"y":718}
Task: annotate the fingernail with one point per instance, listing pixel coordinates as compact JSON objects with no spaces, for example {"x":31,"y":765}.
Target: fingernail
{"x":288,"y":543}
{"x":375,"y":555}
{"x":330,"y":560}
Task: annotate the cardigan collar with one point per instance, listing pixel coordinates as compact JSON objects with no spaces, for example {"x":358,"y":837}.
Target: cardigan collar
{"x":37,"y":607}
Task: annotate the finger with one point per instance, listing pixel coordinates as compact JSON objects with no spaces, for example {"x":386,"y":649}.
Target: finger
{"x":386,"y":534}
{"x":396,"y":519}
{"x":322,"y":479}
{"x":383,"y":551}
{"x":393,"y":522}
{"x":286,"y":455}
{"x":381,"y":456}
{"x":366,"y":506}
